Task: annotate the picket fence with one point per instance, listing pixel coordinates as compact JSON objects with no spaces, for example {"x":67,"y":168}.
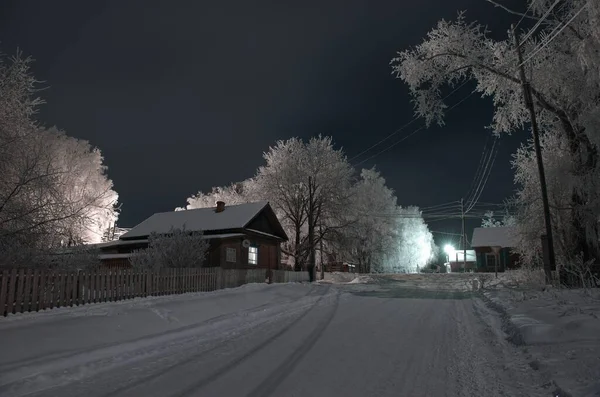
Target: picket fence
{"x":31,"y":290}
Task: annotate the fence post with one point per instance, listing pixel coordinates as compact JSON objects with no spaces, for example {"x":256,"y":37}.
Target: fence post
{"x":69,"y":289}
{"x":34,"y":292}
{"x":3,"y":292}
{"x":19,"y":296}
{"x":10,"y":299}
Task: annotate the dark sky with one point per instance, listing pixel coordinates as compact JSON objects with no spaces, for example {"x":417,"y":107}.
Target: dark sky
{"x":184,"y":95}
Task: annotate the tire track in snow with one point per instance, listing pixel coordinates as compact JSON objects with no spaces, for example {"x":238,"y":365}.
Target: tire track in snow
{"x":6,"y":367}
{"x":43,"y":374}
{"x":275,"y":378}
{"x":161,"y":371}
{"x":223,"y":370}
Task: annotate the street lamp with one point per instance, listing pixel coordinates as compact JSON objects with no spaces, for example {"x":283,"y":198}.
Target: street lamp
{"x":449,"y":250}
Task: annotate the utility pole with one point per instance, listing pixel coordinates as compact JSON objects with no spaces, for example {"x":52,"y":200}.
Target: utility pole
{"x":464,"y":232}
{"x":551,"y":263}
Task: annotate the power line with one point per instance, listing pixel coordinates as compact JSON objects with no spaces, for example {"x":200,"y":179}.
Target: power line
{"x":552,"y":37}
{"x":536,"y":50}
{"x":483,"y":176}
{"x":412,"y":133}
{"x":404,"y":126}
{"x":539,"y":22}
{"x":479,"y":169}
{"x":492,"y":204}
{"x":450,"y":234}
{"x":440,"y":207}
{"x":524,"y":14}
{"x":484,"y":183}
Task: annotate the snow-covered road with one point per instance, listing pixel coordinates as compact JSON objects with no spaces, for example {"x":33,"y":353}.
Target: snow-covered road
{"x":267,"y":340}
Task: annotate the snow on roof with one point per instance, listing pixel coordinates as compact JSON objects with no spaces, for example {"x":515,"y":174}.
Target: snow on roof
{"x":201,"y":219}
{"x":503,"y":236}
{"x":115,"y":243}
{"x":458,"y":256}
{"x":263,"y":233}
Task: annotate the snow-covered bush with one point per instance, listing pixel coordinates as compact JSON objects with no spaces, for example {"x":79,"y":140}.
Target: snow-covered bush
{"x":177,"y":249}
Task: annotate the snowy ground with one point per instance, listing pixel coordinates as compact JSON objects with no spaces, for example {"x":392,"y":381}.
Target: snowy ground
{"x":371,"y":337}
{"x":559,"y":332}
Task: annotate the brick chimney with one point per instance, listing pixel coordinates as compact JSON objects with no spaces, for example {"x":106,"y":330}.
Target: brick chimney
{"x":220,"y":206}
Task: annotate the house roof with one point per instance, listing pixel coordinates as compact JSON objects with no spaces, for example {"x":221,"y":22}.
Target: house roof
{"x":202,"y":219}
{"x":503,"y":236}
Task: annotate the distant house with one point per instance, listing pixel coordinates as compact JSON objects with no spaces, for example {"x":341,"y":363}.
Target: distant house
{"x":457,"y":262}
{"x":240,"y":236}
{"x":344,"y":267}
{"x":484,"y":238}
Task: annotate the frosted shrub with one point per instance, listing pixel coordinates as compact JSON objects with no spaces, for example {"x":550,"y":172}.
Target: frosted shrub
{"x":177,"y":249}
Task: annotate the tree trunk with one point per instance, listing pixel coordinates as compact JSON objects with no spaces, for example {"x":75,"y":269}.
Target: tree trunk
{"x":585,"y":156}
{"x":297,"y":259}
{"x":321,"y":252}
{"x":311,"y":232}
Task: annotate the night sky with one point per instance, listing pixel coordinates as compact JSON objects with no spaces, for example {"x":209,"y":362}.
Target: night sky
{"x":185,"y":95}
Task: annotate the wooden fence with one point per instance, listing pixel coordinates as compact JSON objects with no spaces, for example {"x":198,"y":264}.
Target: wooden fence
{"x":31,"y":290}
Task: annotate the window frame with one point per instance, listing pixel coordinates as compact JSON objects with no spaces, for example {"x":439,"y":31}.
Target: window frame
{"x":254,"y":255}
{"x":233,"y":252}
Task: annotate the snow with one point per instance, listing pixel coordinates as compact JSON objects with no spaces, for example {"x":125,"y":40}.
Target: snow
{"x":115,"y":243}
{"x":373,"y":336}
{"x":200,"y":219}
{"x":458,"y":255}
{"x":502,"y":236}
{"x":361,"y":280}
{"x":337,"y":277}
{"x":559,"y":330}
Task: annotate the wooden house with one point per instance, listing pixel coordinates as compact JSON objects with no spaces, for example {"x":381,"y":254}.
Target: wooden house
{"x":486,"y":239}
{"x":243,"y":236}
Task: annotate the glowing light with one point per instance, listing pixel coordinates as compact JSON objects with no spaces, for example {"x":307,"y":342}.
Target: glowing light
{"x":448,"y":249}
{"x":425,"y":251}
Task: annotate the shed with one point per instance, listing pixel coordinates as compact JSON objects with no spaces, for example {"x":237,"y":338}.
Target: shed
{"x":484,"y":238}
{"x":456,"y":259}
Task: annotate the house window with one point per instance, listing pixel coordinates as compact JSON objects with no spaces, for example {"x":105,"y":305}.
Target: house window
{"x":252,"y":255}
{"x":490,"y":260}
{"x":230,"y":255}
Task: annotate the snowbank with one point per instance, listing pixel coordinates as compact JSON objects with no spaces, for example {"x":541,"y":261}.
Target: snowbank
{"x":338,"y":278}
{"x":436,"y":281}
{"x":58,"y":347}
{"x":108,"y":308}
{"x":361,"y":280}
{"x":559,"y":331}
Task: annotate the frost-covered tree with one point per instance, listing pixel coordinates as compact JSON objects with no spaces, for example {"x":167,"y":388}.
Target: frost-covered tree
{"x":490,"y":219}
{"x":371,"y":235}
{"x":308,"y":184}
{"x":53,"y":188}
{"x":562,"y":65}
{"x":235,"y":193}
{"x":82,"y":188}
{"x":56,"y":188}
{"x":560,"y":184}
{"x":177,"y":249}
{"x":414,"y":246}
{"x":282,"y":180}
